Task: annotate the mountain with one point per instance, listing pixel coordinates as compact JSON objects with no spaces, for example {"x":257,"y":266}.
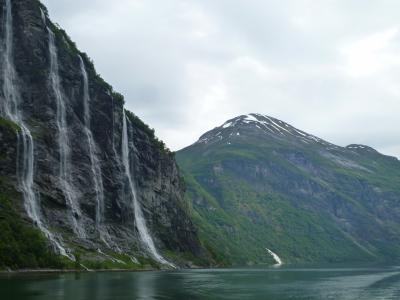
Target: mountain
{"x":260,"y":187}
{"x":81,"y":178}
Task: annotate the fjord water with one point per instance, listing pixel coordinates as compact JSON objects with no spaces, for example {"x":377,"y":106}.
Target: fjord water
{"x":279,"y":284}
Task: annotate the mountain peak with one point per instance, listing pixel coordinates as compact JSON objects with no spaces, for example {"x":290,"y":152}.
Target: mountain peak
{"x":359,"y":148}
{"x":254,"y":123}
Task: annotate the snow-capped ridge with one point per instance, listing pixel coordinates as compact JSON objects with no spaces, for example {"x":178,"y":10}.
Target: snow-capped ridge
{"x":360,"y":147}
{"x":259,"y":122}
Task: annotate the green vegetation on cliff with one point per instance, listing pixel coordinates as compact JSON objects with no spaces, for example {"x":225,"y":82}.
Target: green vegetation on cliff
{"x":21,"y":244}
{"x":150,"y":132}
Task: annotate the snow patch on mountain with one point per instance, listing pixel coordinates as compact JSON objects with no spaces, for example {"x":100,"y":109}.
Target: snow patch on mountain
{"x":265,"y":123}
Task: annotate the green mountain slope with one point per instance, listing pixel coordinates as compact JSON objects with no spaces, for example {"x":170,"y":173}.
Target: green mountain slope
{"x":256,"y":182}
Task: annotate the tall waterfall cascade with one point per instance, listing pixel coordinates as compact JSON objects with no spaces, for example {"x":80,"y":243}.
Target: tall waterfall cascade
{"x":10,"y":110}
{"x":63,"y":139}
{"x":94,"y":160}
{"x":143,"y":231}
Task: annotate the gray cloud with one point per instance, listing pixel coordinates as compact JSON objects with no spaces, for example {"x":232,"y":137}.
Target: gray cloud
{"x":328,"y":67}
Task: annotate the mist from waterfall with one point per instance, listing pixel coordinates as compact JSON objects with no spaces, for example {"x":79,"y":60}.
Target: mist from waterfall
{"x":11,"y":110}
{"x":139,"y":219}
{"x":63,"y":139}
{"x":94,"y":160}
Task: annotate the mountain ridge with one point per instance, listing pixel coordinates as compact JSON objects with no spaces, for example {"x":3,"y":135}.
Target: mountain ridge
{"x":273,"y":125}
{"x":263,"y":168}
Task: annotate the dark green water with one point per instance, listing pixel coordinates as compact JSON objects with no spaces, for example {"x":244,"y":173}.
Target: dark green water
{"x":285,"y":283}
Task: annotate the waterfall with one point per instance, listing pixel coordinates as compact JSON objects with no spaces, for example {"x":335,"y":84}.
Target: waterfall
{"x":139,"y":219}
{"x":275,"y":256}
{"x":94,"y":160}
{"x":11,"y":96}
{"x":42,"y":14}
{"x":63,"y":139}
{"x":25,"y":155}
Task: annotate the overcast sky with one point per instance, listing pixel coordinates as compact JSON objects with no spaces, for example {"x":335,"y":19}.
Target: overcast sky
{"x":328,"y":67}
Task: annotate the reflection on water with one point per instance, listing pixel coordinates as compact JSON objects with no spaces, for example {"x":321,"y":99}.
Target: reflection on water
{"x":284,"y":283}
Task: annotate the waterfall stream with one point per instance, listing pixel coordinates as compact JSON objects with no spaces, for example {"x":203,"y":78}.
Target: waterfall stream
{"x":275,"y":256}
{"x":139,"y":219}
{"x":63,"y":139}
{"x":25,"y":155}
{"x":94,"y":160}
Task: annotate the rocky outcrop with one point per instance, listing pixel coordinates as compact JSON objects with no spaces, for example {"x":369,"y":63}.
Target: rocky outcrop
{"x":64,"y":181}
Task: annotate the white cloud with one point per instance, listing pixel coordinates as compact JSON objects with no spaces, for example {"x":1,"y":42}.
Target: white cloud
{"x":328,"y":67}
{"x":372,"y":54}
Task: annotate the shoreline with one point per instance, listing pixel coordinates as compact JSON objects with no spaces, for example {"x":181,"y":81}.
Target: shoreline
{"x":5,"y":273}
{"x":65,"y":271}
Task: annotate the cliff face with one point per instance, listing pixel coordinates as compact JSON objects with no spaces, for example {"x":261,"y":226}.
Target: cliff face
{"x":81,"y":196}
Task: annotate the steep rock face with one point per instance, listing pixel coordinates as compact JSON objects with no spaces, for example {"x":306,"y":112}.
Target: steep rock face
{"x":161,"y":185}
{"x":256,"y":182}
{"x":64,"y":181}
{"x":8,"y":149}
